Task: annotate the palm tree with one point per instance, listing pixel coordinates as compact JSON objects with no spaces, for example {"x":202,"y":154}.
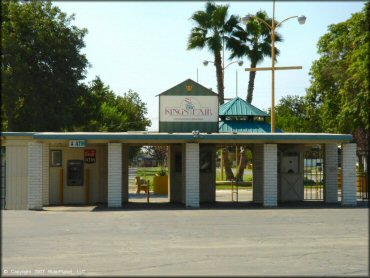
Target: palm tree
{"x":254,"y":42}
{"x":213,"y":30}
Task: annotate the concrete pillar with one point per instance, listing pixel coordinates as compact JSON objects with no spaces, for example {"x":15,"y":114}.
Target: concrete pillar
{"x":114,"y":174}
{"x":192,"y":175}
{"x":270,"y":175}
{"x":35,"y":166}
{"x":258,"y":173}
{"x":45,"y":174}
{"x":331,"y":173}
{"x":349,"y":175}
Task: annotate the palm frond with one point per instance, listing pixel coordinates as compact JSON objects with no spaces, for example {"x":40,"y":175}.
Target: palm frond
{"x":238,"y":49}
{"x":210,"y":7}
{"x":197,"y":38}
{"x":202,"y":19}
{"x":232,"y":23}
{"x":219,"y":17}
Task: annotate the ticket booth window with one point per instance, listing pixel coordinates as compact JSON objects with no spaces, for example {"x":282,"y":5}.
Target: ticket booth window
{"x":75,"y":172}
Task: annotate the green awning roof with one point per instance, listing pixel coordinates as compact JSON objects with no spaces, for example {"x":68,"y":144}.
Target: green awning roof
{"x":239,"y":107}
{"x":166,"y":138}
{"x":187,"y":88}
{"x":246,"y":127}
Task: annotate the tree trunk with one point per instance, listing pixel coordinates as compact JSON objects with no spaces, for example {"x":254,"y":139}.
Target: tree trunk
{"x":252,"y":76}
{"x":242,"y":164}
{"x":229,"y":173}
{"x":219,"y":76}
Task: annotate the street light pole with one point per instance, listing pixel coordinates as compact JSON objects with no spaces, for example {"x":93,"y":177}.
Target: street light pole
{"x":273,"y":129}
{"x":273,"y":27}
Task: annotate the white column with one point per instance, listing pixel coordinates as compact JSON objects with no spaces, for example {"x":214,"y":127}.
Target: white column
{"x":114,"y":174}
{"x":45,"y":174}
{"x":349,"y":175}
{"x":269,"y":175}
{"x":35,"y":176}
{"x":258,"y":173}
{"x":192,"y":175}
{"x":331,"y":173}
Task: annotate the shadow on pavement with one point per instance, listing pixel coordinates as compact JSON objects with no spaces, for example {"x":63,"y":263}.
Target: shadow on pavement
{"x":134,"y":206}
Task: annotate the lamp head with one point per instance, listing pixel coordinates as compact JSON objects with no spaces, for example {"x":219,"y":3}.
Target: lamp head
{"x":240,"y":63}
{"x":301,"y":19}
{"x":247,"y":18}
{"x":205,"y":62}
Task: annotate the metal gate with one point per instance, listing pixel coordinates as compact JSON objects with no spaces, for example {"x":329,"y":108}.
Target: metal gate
{"x":314,"y":173}
{"x":362,"y":186}
{"x":362,"y":174}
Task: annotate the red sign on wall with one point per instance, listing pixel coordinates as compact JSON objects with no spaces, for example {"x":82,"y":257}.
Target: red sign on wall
{"x":90,"y":156}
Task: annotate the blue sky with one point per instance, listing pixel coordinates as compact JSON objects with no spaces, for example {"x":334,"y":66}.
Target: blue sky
{"x":142,"y":46}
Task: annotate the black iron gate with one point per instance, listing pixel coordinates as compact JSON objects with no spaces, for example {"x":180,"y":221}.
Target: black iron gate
{"x":314,"y":173}
{"x":362,"y":175}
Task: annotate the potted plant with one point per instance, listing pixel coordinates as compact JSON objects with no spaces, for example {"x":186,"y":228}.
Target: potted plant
{"x":160,"y":182}
{"x":162,"y":172}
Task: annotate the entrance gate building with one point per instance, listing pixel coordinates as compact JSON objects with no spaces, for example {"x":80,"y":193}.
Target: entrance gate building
{"x":32,"y":180}
{"x":52,"y":168}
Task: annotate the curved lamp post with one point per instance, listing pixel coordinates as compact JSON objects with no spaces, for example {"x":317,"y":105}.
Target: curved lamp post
{"x":240,"y":63}
{"x":273,"y":27}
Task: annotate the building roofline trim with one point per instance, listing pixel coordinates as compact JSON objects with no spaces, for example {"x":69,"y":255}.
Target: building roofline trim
{"x":150,"y":136}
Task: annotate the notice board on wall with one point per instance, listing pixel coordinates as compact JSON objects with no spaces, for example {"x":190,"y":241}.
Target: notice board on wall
{"x":90,"y":156}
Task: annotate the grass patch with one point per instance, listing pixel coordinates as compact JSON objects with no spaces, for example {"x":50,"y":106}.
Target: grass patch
{"x":228,"y":187}
{"x":246,"y":176}
{"x":319,"y":186}
{"x":148,"y":173}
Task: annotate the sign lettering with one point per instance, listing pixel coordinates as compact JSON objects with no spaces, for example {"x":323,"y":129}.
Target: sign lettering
{"x":77,"y":143}
{"x":188,"y":108}
{"x":90,"y":156}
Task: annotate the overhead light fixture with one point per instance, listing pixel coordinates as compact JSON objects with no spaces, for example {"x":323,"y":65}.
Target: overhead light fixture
{"x":301,"y":19}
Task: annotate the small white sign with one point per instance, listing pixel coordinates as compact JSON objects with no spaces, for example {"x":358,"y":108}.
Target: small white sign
{"x":77,"y":143}
{"x":188,"y":109}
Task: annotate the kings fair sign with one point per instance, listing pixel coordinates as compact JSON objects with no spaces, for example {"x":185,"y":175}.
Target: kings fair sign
{"x":187,"y":107}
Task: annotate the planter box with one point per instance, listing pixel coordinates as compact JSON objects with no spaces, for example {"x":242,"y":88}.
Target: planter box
{"x":160,"y":184}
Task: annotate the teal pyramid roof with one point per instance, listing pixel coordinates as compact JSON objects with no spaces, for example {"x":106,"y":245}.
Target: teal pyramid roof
{"x":239,"y":107}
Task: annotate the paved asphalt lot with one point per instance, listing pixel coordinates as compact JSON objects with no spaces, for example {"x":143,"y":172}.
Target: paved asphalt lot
{"x":313,"y":240}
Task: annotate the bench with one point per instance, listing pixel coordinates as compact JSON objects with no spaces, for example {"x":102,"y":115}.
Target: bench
{"x":142,"y":185}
